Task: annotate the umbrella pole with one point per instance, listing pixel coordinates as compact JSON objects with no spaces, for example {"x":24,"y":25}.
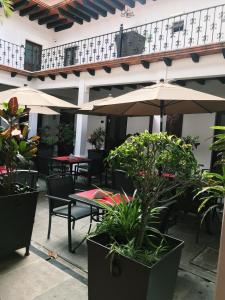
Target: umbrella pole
{"x":161,"y":114}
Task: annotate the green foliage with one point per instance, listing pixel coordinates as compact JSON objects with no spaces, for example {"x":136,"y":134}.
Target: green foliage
{"x":66,"y":134}
{"x":7,"y":7}
{"x":192,"y":140}
{"x":97,"y":138}
{"x":14,"y":145}
{"x":123,"y":222}
{"x":213,"y":184}
{"x":145,"y":157}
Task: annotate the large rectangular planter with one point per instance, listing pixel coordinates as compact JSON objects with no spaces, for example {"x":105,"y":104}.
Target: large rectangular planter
{"x":17,"y":214}
{"x":126,"y":279}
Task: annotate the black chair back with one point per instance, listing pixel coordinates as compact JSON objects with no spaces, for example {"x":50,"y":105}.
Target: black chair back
{"x":96,"y":166}
{"x":121,"y":182}
{"x":60,"y":187}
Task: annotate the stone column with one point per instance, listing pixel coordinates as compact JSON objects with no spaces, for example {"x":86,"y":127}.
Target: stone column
{"x":33,"y":120}
{"x":81,"y":121}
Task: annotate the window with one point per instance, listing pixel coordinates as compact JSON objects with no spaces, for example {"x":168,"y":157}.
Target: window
{"x":32,"y":59}
{"x":70,"y":56}
{"x":178,"y":26}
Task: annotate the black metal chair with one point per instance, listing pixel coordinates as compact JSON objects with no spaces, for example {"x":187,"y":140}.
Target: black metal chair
{"x":121,"y":182}
{"x":59,"y":188}
{"x":94,"y":168}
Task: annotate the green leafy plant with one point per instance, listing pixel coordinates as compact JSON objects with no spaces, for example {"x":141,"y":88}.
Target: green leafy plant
{"x":46,"y":137}
{"x":146,"y":158}
{"x":66,"y":134}
{"x":192,"y":140}
{"x":7,"y":7}
{"x":97,"y":138}
{"x":213,"y":184}
{"x":14,"y":145}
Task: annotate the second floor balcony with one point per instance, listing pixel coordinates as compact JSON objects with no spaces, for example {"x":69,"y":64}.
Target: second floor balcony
{"x":196,"y":28}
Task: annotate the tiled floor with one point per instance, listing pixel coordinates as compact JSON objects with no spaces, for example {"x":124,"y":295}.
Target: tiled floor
{"x":39,"y":277}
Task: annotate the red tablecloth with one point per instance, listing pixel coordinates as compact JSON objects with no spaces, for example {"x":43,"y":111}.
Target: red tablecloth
{"x":3,"y":170}
{"x":109,"y":200}
{"x":70,"y":159}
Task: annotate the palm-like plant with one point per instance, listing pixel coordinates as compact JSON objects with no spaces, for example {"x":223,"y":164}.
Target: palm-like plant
{"x":213,"y":183}
{"x":7,"y":7}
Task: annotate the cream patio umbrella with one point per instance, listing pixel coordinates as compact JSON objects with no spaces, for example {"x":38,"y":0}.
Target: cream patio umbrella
{"x":161,"y":99}
{"x":30,"y":97}
{"x":40,"y":110}
{"x":88,"y":108}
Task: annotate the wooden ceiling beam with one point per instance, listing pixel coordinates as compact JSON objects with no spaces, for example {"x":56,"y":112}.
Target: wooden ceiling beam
{"x":18,"y":5}
{"x":167,"y":61}
{"x":48,"y":19}
{"x":195,"y":57}
{"x":125,"y":67}
{"x":107,"y":69}
{"x":63,"y":27}
{"x":145,"y":64}
{"x":69,"y":16}
{"x":142,"y":1}
{"x":29,"y":10}
{"x":86,"y":10}
{"x":91,"y":71}
{"x":38,"y":15}
{"x":117,"y":4}
{"x":130,"y":3}
{"x":56,"y":23}
{"x":77,"y":14}
{"x":95,"y":7}
{"x":76,"y":73}
{"x":52,"y":76}
{"x":105,"y":5}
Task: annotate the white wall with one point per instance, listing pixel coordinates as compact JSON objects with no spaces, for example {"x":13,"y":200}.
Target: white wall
{"x":198,"y":125}
{"x":137,"y":124}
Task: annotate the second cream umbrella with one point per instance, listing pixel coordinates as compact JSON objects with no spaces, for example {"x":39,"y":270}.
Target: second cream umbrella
{"x":161,"y":99}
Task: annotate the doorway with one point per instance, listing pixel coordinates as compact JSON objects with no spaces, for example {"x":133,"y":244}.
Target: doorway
{"x":116,"y":132}
{"x":32,"y":59}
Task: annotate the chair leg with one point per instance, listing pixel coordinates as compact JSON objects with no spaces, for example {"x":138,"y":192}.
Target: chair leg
{"x":69,"y":236}
{"x":73,"y":224}
{"x":49,"y":225}
{"x":27,"y":253}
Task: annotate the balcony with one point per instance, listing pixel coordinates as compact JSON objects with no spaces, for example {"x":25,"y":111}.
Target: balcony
{"x":185,"y":31}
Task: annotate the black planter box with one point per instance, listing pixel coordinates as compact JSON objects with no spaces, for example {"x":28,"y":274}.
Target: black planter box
{"x":132,"y":43}
{"x":128,"y":279}
{"x":17,"y":214}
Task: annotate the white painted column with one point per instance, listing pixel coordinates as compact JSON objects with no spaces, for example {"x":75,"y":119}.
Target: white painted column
{"x":81,"y":121}
{"x":33,"y":121}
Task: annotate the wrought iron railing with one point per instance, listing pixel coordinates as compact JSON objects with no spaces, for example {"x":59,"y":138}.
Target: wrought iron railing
{"x":196,"y":28}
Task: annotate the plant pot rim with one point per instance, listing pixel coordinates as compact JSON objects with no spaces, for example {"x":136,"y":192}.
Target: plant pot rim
{"x":180,"y":243}
{"x":24,"y":193}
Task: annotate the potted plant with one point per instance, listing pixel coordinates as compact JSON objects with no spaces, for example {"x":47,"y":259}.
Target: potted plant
{"x":7,"y":7}
{"x":65,"y":138}
{"x":17,"y":202}
{"x":132,"y":257}
{"x":97,"y":139}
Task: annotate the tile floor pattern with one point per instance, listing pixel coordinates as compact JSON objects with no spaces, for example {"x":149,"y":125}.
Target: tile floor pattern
{"x":36,"y":278}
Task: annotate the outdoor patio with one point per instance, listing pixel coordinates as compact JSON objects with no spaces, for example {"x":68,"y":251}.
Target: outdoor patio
{"x":51,"y":272}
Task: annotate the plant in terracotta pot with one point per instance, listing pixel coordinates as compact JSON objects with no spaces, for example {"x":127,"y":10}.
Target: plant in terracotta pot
{"x":17,"y":201}
{"x":140,"y":254}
